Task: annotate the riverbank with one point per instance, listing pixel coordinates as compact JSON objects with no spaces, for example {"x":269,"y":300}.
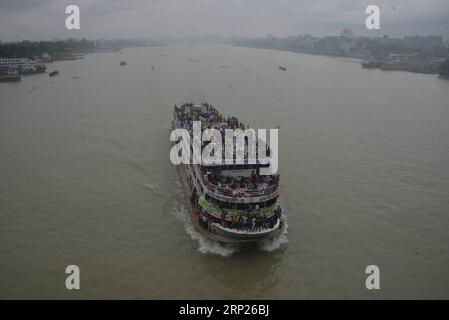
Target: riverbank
{"x":417,"y":54}
{"x":406,"y":62}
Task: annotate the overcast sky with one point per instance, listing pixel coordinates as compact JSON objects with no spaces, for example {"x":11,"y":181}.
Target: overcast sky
{"x":45,"y":19}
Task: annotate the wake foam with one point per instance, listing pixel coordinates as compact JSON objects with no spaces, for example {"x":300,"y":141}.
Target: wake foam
{"x":273,"y":244}
{"x":210,"y":246}
{"x":180,"y":213}
{"x":154,"y":188}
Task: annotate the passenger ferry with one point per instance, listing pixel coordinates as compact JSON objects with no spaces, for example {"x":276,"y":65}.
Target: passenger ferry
{"x":230,"y":203}
{"x":22,"y":65}
{"x":10,"y":76}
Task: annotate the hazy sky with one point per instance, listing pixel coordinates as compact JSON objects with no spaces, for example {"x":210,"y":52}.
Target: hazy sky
{"x":45,"y":19}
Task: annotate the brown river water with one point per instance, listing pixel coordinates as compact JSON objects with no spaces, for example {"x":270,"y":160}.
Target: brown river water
{"x":85,"y":178}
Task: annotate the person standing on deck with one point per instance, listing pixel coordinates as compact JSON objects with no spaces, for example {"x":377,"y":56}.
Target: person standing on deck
{"x":205,"y":221}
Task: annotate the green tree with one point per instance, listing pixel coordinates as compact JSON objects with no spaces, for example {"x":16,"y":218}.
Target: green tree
{"x":30,"y":49}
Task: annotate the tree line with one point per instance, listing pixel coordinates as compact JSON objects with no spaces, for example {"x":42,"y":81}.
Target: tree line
{"x":30,"y":49}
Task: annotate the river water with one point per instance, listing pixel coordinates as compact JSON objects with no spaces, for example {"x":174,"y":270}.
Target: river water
{"x":85,"y":178}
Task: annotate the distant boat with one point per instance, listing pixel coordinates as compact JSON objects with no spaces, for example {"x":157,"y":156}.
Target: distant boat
{"x":72,"y":56}
{"x":32,"y":68}
{"x":54,"y":73}
{"x":10,"y":76}
{"x":371,"y":64}
{"x":109,"y":49}
{"x":282,"y":68}
{"x":21,"y":65}
{"x":123,"y":63}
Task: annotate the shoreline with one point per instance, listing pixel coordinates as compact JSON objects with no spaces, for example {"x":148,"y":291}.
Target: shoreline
{"x":418,"y":68}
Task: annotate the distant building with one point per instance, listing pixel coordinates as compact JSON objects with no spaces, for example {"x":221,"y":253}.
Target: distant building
{"x":425,"y":44}
{"x":347,"y":33}
{"x":14,"y":62}
{"x":46,"y":57}
{"x":7,"y":65}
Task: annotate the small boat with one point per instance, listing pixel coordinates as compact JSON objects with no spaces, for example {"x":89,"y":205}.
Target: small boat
{"x":123,"y":63}
{"x":371,"y":64}
{"x":282,"y":68}
{"x":54,"y":73}
{"x":10,"y":76}
{"x":64,"y":57}
{"x":32,"y":68}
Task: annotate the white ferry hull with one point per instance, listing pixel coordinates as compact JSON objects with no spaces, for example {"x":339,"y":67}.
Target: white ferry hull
{"x":250,"y":235}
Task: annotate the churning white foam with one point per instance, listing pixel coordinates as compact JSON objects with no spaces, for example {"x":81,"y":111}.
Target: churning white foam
{"x":274,"y":243}
{"x":180,"y":213}
{"x":210,"y":246}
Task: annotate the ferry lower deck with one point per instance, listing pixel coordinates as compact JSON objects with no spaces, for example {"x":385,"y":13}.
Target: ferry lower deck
{"x":227,"y":236}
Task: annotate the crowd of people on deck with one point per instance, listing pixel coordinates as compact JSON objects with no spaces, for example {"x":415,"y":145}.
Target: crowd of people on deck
{"x":245,"y":222}
{"x":239,"y":185}
{"x":212,"y":119}
{"x":229,"y":185}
